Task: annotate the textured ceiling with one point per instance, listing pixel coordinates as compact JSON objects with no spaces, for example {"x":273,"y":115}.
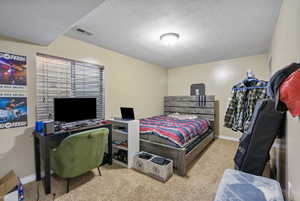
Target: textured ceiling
{"x":41,"y":21}
{"x":210,"y":29}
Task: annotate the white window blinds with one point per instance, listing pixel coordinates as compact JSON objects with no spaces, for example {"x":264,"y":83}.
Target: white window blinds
{"x":58,"y":77}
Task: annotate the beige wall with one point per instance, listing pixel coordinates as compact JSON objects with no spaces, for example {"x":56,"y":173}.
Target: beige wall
{"x":285,"y":50}
{"x":129,"y":82}
{"x":219,"y":77}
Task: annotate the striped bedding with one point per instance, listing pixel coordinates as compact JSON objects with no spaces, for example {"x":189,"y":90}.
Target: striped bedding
{"x":177,"y":131}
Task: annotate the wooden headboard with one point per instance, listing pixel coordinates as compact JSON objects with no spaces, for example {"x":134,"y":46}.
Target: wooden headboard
{"x":203,"y":106}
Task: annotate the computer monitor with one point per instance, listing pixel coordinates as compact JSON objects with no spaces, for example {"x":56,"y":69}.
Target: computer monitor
{"x":127,"y":113}
{"x":74,"y":109}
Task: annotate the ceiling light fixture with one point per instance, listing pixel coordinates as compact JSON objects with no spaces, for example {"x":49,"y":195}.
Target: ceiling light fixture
{"x":169,"y":39}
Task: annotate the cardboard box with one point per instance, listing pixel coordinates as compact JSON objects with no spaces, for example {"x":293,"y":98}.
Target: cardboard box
{"x":13,"y":196}
{"x":9,"y":187}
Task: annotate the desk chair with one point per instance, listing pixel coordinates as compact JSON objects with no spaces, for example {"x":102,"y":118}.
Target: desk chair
{"x":79,"y":153}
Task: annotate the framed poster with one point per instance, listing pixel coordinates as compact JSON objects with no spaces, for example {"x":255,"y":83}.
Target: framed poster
{"x":12,"y":71}
{"x":13,"y":110}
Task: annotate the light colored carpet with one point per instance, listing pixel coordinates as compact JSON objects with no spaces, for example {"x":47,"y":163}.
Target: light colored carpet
{"x":121,"y":184}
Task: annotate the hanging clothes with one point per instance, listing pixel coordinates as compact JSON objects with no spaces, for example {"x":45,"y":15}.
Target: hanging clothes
{"x":276,"y":81}
{"x":242,"y":103}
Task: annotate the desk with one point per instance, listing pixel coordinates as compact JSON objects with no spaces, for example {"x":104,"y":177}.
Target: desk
{"x":42,"y":150}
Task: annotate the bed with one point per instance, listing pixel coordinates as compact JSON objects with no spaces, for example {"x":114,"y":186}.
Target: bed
{"x":181,"y":140}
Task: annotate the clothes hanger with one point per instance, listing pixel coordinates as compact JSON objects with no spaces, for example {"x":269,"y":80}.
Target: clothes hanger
{"x":250,"y":80}
{"x":248,"y":88}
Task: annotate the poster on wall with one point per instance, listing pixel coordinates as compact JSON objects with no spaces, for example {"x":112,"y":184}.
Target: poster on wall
{"x":13,"y":110}
{"x":12,"y":71}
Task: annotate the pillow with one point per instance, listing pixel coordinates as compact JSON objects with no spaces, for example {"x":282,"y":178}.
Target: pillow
{"x":174,"y":115}
{"x":182,"y":116}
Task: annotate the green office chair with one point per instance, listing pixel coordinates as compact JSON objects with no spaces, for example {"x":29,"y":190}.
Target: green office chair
{"x":79,"y":153}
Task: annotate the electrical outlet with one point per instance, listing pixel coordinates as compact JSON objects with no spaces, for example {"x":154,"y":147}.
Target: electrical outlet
{"x":291,"y":192}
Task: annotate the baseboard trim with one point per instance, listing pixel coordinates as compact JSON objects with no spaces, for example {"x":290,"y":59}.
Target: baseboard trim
{"x":228,"y":138}
{"x":28,"y":179}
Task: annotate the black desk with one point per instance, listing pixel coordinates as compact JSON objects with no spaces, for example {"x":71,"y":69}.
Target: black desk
{"x":41,"y":149}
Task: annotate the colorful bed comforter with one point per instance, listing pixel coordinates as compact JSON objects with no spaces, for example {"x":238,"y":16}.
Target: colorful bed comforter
{"x":178,"y":131}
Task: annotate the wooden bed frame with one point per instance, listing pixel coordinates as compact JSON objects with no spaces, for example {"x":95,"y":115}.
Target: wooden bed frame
{"x":202,"y":106}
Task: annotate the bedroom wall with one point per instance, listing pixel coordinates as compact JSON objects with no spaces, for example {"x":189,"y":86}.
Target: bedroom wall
{"x":219,"y":77}
{"x":129,"y":82}
{"x":285,"y":50}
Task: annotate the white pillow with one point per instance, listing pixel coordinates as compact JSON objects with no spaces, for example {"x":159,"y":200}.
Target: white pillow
{"x":182,"y":116}
{"x":174,"y":115}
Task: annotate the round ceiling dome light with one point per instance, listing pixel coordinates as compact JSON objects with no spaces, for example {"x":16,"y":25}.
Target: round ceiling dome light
{"x":169,"y":39}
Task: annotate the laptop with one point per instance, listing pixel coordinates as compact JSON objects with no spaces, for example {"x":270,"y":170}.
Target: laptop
{"x":127,"y":113}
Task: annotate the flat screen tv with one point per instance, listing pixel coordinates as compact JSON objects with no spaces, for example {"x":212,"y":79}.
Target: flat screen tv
{"x":74,"y":109}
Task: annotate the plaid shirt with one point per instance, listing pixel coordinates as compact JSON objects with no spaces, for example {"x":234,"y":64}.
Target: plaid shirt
{"x":242,"y":104}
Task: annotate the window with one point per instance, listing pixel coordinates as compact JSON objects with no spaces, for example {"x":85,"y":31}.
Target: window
{"x":59,"y":77}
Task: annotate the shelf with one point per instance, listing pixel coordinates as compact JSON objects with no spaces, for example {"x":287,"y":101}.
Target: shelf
{"x":120,"y":121}
{"x":120,"y":147}
{"x":125,"y":131}
{"x":120,"y":131}
{"x":120,"y":163}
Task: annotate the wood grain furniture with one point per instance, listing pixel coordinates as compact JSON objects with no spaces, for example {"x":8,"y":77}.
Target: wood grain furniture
{"x":203,"y":107}
{"x":123,"y":130}
{"x":43,"y":143}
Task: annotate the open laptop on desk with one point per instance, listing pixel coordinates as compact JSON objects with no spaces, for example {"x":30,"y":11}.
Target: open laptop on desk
{"x":127,"y":114}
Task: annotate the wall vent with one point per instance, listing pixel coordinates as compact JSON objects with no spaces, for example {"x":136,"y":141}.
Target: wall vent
{"x":82,"y":31}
